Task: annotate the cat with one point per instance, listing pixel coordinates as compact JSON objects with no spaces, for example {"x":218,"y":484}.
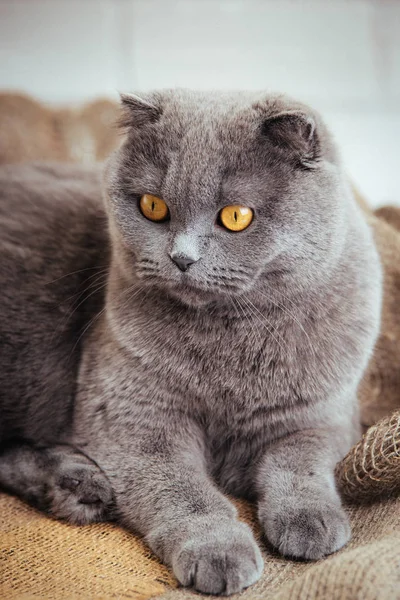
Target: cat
{"x":200,"y":330}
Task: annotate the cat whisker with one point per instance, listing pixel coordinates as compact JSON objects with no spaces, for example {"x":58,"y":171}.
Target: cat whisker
{"x":224,"y":270}
{"x":146,"y":271}
{"x":212,"y":287}
{"x":147,"y":261}
{"x":97,"y":316}
{"x":130,"y":298}
{"x":286,"y":298}
{"x":264,"y":321}
{"x":149,"y":277}
{"x":224,"y":278}
{"x":290,"y":314}
{"x":75,"y":273}
{"x":98,"y":286}
{"x":69,"y":315}
{"x":146,"y":268}
{"x":256,"y":334}
{"x":79,"y":293}
{"x":226,"y":286}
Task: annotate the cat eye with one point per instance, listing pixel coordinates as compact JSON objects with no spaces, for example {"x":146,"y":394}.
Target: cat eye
{"x":153,"y":208}
{"x":235,"y":217}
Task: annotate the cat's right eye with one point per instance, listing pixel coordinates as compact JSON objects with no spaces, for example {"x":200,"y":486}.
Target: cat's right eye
{"x":154,"y":208}
{"x":235,"y":217}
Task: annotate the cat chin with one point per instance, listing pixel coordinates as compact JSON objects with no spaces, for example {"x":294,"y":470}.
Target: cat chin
{"x":192,"y":296}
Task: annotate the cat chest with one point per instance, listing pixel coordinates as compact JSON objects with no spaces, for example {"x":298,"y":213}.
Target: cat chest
{"x":212,"y":371}
{"x":233,"y":389}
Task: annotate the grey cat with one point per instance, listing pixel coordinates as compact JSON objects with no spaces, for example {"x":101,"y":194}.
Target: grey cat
{"x":154,"y":356}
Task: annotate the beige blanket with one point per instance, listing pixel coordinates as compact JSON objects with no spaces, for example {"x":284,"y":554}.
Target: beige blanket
{"x":41,"y":558}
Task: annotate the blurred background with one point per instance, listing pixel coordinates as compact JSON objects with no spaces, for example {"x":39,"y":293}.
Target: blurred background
{"x":341,"y":56}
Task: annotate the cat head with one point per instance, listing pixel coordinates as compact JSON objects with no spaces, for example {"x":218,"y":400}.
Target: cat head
{"x":213,"y":195}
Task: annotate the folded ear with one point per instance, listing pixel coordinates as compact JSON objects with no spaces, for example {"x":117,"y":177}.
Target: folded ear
{"x":137,"y":111}
{"x":294,"y":134}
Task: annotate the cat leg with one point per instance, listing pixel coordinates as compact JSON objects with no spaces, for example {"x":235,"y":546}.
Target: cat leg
{"x":299,"y":507}
{"x":57,"y":479}
{"x":163,"y":491}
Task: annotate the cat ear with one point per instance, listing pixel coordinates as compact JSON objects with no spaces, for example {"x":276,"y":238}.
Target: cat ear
{"x":137,"y":111}
{"x":294,"y":134}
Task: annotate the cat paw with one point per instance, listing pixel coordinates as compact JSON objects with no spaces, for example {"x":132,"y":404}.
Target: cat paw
{"x":307,"y":532}
{"x":80,"y":493}
{"x":223,"y":561}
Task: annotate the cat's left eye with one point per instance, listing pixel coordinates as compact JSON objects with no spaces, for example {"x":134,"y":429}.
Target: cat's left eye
{"x":154,"y":208}
{"x":235,"y":217}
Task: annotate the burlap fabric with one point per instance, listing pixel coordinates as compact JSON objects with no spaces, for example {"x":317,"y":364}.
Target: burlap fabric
{"x":46,"y":559}
{"x":31,"y":130}
{"x":42,"y":558}
{"x":379,"y":392}
{"x":372,"y":467}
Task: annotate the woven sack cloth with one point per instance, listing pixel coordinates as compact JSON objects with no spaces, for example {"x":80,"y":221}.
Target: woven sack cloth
{"x":372,"y":467}
{"x":50,"y":560}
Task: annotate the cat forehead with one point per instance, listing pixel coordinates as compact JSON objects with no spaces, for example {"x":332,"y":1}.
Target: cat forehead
{"x":179,"y":120}
{"x":202,"y":175}
{"x":202,"y":141}
{"x":196,"y":157}
{"x":212,"y":124}
{"x":203,"y":103}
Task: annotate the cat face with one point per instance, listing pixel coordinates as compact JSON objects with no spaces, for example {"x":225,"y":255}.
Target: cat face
{"x":212,"y":195}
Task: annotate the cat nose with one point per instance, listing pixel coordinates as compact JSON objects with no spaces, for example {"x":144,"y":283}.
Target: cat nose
{"x":182,"y":262}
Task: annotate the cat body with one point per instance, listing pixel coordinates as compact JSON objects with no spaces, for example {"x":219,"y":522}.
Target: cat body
{"x":53,"y":241}
{"x":246,"y":387}
{"x":238,"y":372}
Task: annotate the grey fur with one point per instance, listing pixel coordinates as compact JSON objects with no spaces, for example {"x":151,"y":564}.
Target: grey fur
{"x":238,"y":375}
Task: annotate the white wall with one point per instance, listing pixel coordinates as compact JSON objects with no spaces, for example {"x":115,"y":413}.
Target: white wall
{"x":342,"y":56}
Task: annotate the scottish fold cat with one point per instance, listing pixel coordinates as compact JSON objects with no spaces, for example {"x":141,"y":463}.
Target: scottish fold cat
{"x":195,"y":325}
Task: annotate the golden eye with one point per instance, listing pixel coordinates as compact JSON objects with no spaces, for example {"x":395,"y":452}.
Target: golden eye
{"x":236,"y":218}
{"x":153,"y":208}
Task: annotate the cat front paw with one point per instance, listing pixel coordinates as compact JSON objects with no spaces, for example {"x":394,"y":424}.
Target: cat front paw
{"x":223,"y":561}
{"x":79,"y":492}
{"x":309,"y":532}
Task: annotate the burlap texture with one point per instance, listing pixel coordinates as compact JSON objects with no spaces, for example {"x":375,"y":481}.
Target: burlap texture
{"x":367,"y":569}
{"x":31,"y":130}
{"x":379,"y":392}
{"x":42,"y":558}
{"x":372,"y":467}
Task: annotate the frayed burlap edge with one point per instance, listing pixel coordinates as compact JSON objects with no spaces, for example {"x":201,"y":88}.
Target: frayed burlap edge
{"x":372,"y":467}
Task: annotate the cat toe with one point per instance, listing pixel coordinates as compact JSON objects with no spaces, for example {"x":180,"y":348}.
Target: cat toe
{"x":81,"y":494}
{"x":308,"y":532}
{"x":221,"y":565}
